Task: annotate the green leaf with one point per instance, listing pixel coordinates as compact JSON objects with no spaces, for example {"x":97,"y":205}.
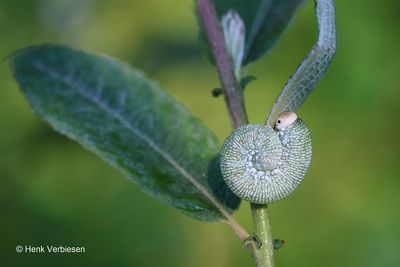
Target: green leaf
{"x":216,"y":92}
{"x":246,"y":80}
{"x":119,"y":114}
{"x":278,"y":243}
{"x":264,"y":20}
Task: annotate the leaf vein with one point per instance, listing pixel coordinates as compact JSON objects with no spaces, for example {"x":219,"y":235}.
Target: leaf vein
{"x":96,"y":100}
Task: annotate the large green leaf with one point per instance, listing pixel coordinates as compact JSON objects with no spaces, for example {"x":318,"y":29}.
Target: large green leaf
{"x":119,"y":114}
{"x":264,"y":20}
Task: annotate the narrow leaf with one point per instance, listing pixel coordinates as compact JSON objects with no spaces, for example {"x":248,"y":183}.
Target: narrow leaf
{"x":313,"y":67}
{"x":246,"y":80}
{"x":119,"y":114}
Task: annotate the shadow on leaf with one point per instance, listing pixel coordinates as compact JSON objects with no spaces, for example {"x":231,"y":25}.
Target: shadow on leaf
{"x":219,"y":187}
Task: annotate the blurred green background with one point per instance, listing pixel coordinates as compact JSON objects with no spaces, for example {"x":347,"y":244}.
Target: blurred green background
{"x":345,"y":213}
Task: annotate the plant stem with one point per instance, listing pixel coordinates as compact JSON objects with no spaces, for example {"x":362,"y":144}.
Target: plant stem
{"x":232,"y":91}
{"x":234,"y":100}
{"x":262,"y":230}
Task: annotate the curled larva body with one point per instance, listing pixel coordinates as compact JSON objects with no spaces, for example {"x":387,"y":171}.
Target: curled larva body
{"x":263,"y":165}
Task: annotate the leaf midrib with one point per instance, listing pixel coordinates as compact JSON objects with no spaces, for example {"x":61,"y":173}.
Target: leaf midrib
{"x":262,"y":10}
{"x":79,"y":88}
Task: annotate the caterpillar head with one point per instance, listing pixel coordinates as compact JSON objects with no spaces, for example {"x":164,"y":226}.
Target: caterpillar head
{"x":284,"y":120}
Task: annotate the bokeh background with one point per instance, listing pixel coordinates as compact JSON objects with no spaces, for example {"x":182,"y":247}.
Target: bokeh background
{"x":345,"y":213}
